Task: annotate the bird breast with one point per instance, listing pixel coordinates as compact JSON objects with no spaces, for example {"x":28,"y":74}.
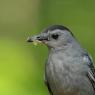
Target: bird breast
{"x":66,"y":75}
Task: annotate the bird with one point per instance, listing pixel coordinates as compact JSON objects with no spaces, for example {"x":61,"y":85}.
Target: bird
{"x":69,"y":68}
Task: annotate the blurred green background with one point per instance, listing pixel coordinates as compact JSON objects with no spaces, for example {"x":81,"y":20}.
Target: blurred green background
{"x":21,"y":63}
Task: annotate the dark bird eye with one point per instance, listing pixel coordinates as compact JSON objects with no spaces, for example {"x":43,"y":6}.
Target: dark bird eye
{"x":55,"y":36}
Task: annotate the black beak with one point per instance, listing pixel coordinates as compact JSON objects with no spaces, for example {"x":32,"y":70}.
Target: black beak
{"x":41,"y":37}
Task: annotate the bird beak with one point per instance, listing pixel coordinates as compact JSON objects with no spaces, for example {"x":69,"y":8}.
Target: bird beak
{"x":38,"y":38}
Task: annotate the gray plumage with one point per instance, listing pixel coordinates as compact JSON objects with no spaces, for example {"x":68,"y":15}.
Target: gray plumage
{"x":69,"y":69}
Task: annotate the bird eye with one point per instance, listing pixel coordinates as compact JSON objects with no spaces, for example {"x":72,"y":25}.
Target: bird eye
{"x":55,"y":36}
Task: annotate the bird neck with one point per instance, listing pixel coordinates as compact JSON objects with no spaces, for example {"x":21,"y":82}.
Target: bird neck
{"x":74,"y":46}
{"x":60,"y":48}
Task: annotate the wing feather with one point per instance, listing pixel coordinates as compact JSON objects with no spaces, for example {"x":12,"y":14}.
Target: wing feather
{"x":91,"y":73}
{"x":47,"y":84}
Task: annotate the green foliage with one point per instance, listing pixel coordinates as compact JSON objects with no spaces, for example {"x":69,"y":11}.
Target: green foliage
{"x":21,"y":63}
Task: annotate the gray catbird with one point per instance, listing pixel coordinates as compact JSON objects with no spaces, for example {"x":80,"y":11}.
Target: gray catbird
{"x":69,"y":69}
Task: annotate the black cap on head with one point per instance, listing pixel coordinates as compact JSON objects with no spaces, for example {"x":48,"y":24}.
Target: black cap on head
{"x":60,"y":27}
{"x":53,"y":27}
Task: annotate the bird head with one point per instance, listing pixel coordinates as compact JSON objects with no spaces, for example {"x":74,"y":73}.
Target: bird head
{"x":53,"y":36}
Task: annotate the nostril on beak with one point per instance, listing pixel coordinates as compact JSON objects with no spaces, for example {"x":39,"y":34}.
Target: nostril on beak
{"x":42,"y":38}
